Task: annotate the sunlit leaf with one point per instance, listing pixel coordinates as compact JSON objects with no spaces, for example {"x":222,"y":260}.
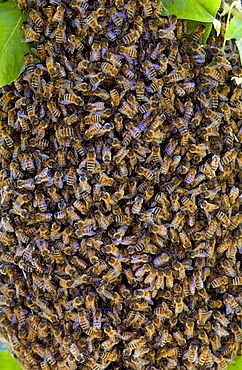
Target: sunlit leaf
{"x":211,"y":6}
{"x":234,"y":30}
{"x":237,"y":364}
{"x":239,"y":46}
{"x":8,"y":362}
{"x":12,"y":50}
{"x":197,"y":10}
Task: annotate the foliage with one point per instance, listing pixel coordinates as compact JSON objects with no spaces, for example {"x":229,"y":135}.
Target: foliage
{"x":237,"y":365}
{"x":234,"y":26}
{"x":196,"y":10}
{"x":205,"y":11}
{"x":8,"y":362}
{"x":12,"y":50}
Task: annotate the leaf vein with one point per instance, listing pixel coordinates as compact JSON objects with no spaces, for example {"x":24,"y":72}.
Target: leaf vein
{"x":11,"y":35}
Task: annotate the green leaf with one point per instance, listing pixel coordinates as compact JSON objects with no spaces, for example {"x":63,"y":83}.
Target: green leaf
{"x":234,"y":30}
{"x":12,"y":50}
{"x":8,"y":362}
{"x":239,"y":46}
{"x":197,"y":10}
{"x":212,"y":6}
{"x":237,"y":364}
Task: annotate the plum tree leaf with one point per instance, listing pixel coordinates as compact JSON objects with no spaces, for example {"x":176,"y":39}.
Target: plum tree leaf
{"x":237,"y":364}
{"x":239,"y":46}
{"x":234,"y":30}
{"x":197,"y":10}
{"x":12,"y":50}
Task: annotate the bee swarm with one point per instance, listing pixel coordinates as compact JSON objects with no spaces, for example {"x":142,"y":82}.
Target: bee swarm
{"x":121,"y":193}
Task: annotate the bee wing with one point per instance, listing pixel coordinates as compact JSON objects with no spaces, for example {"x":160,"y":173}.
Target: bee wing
{"x":65,"y":102}
{"x":40,"y":66}
{"x":76,"y":324}
{"x":52,"y":35}
{"x":14,"y":319}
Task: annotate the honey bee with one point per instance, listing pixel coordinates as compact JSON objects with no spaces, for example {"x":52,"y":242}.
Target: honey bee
{"x":60,"y":34}
{"x":109,"y":69}
{"x":52,"y":70}
{"x":203,"y":355}
{"x":108,"y":344}
{"x":188,"y":203}
{"x":41,"y":51}
{"x":59,"y":14}
{"x":237,"y":280}
{"x":91,"y":159}
{"x":126,"y":110}
{"x":191,"y":354}
{"x":219,"y":330}
{"x":232,"y":304}
{"x":129,"y":51}
{"x":92,"y":22}
{"x":212,"y":72}
{"x":95,"y":53}
{"x":223,"y":218}
{"x":35,"y":16}
{"x":177,"y":220}
{"x":140,"y":90}
{"x":97,"y":319}
{"x":107,"y":356}
{"x":7,"y":98}
{"x":77,"y":44}
{"x":228,"y":157}
{"x":221,"y":363}
{"x":44,"y":365}
{"x":27,"y":162}
{"x":30,"y":34}
{"x":183,"y":129}
{"x":160,"y":260}
{"x":29,"y":60}
{"x":135,"y":343}
{"x":131,"y":37}
{"x":20,"y":315}
{"x":179,"y":338}
{"x":199,"y":31}
{"x":186,"y":242}
{"x":36,"y":78}
{"x":76,"y":352}
{"x":41,"y":202}
{"x":130,"y":8}
{"x":221,"y":318}
{"x":72,"y":99}
{"x":82,"y":320}
{"x":115,"y":99}
{"x":137,"y":206}
{"x":203,"y":315}
{"x":13,"y":340}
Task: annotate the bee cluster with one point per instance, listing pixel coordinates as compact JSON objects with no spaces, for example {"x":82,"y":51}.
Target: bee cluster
{"x":120,"y":189}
